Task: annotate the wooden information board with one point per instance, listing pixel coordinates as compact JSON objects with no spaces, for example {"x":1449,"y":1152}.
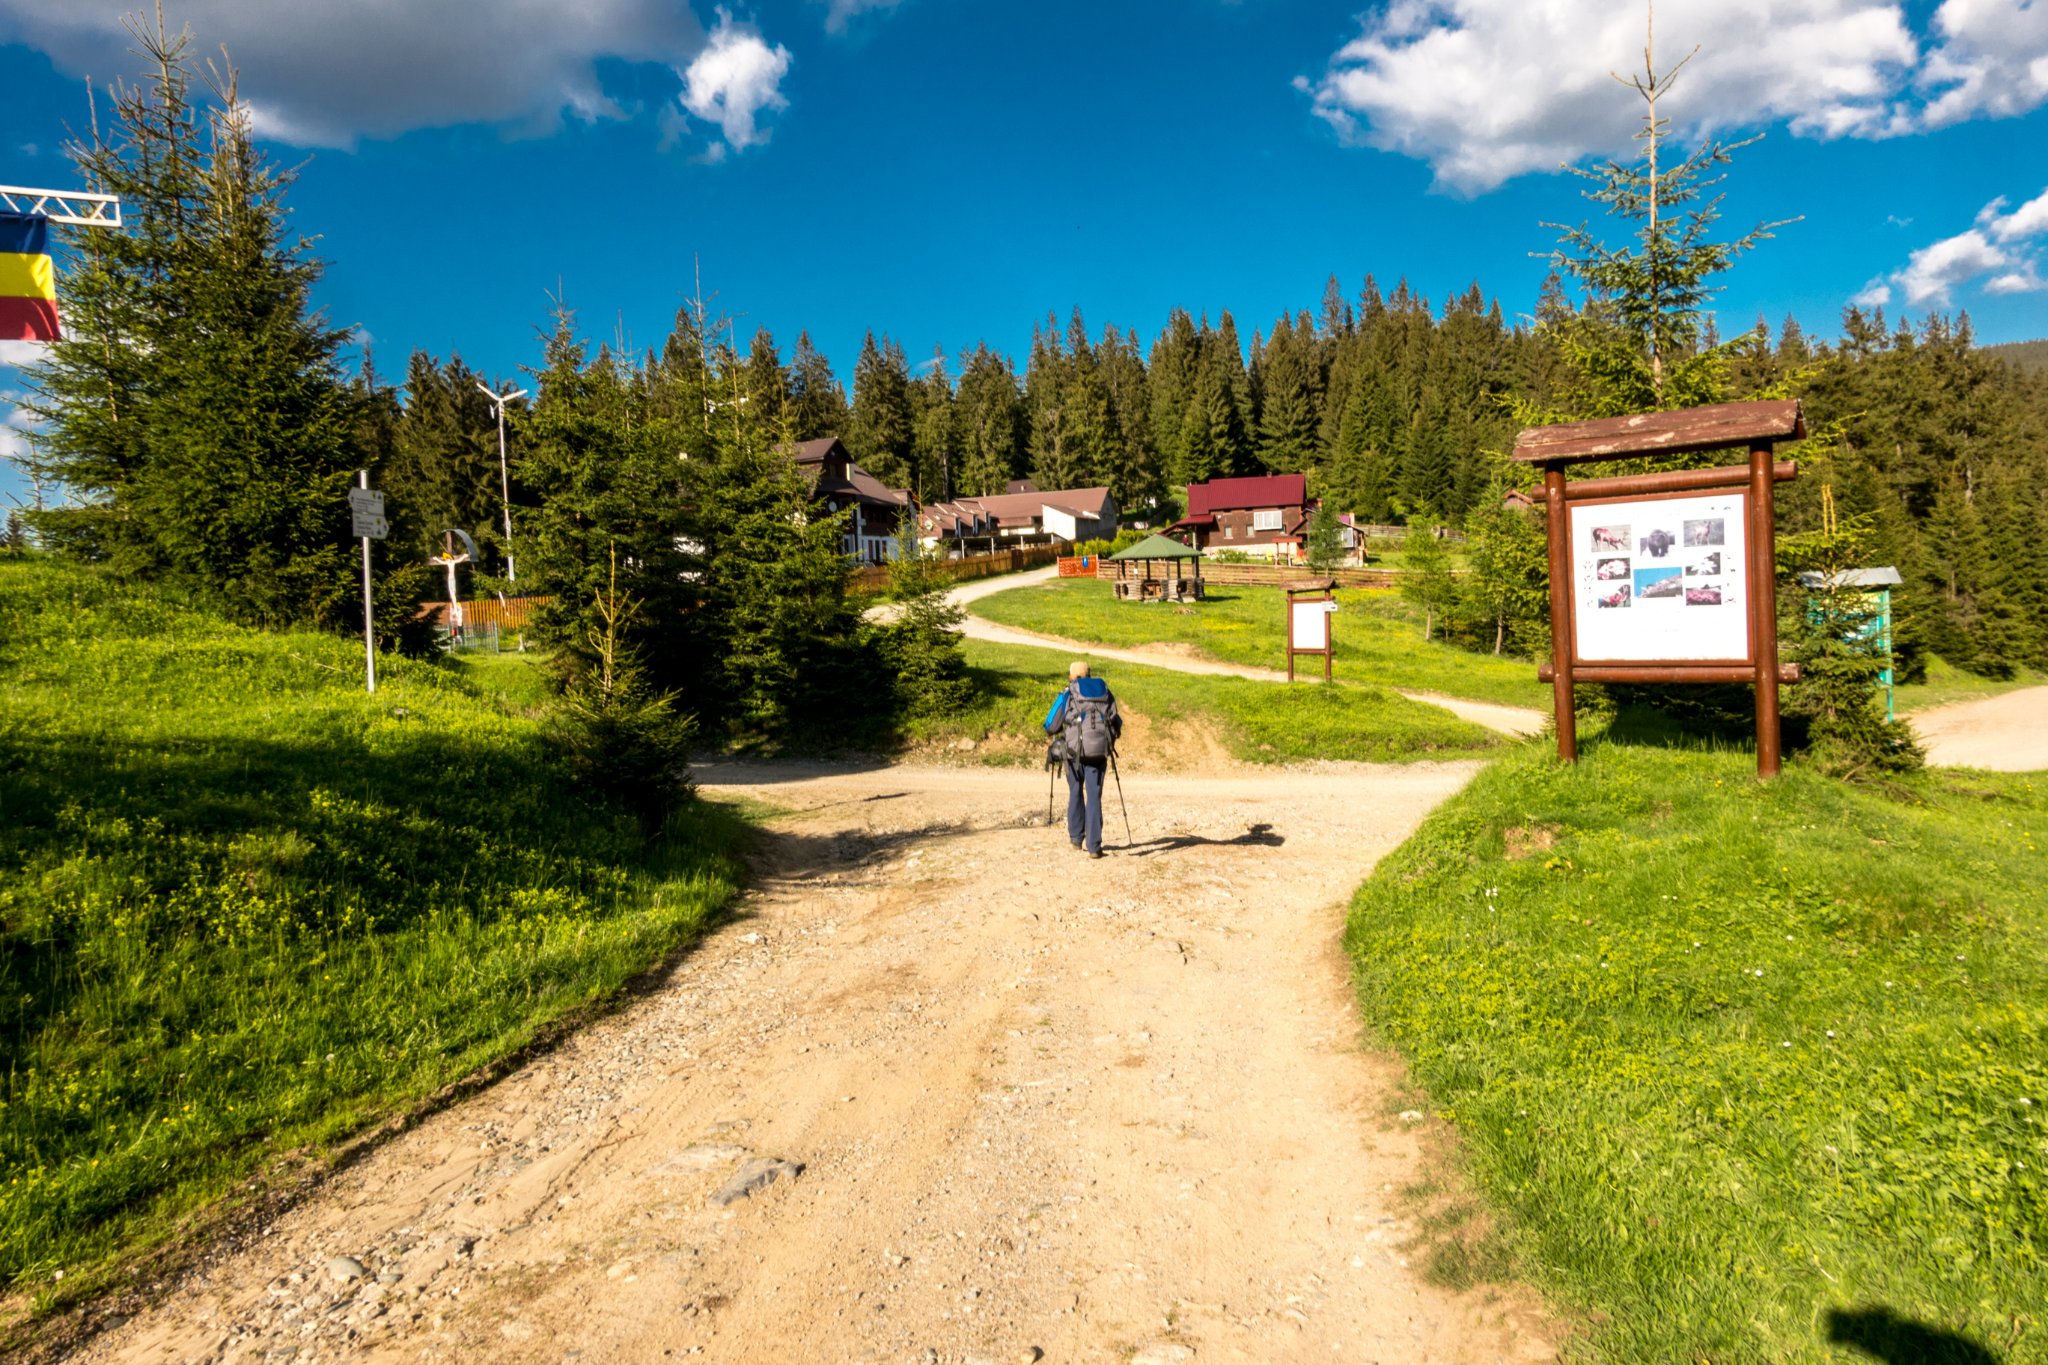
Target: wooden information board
{"x":1310,"y":606}
{"x":1666,"y":577}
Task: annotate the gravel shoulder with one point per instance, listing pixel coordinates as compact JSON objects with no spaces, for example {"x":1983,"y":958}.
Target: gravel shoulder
{"x":1100,"y":1110}
{"x":2007,"y":733}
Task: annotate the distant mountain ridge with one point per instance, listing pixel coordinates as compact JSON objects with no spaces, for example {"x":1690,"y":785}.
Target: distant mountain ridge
{"x":2031,"y":356}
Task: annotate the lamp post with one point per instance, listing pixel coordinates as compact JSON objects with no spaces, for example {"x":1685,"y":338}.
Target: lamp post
{"x":498,"y":401}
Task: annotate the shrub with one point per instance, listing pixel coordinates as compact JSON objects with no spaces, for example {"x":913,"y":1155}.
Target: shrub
{"x":616,"y":734}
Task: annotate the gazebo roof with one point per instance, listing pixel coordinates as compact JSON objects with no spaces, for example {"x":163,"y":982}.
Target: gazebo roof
{"x":1157,"y":547}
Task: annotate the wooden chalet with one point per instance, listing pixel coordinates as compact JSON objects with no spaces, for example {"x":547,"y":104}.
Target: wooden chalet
{"x":1267,"y":516}
{"x":839,"y":483}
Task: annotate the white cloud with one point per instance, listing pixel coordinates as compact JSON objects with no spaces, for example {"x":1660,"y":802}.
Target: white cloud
{"x":2000,"y":251}
{"x":1933,"y":272}
{"x":839,"y":13}
{"x":19,"y":422}
{"x":329,"y":73}
{"x":733,"y":80}
{"x":1991,"y":60}
{"x":22,"y":352}
{"x":2028,"y":220}
{"x":1876,"y":294}
{"x":1485,"y":90}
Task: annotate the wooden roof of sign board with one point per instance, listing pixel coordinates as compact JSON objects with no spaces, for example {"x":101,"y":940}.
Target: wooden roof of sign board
{"x":1663,"y":433}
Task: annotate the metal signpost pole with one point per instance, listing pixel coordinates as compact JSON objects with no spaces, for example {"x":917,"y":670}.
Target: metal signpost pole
{"x":369,"y":620}
{"x":366,"y":520}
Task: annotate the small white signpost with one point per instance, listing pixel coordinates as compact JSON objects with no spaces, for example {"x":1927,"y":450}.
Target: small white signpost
{"x":366,"y":514}
{"x":1308,"y":621}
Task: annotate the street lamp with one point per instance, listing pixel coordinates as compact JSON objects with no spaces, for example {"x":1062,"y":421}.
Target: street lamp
{"x":498,"y":401}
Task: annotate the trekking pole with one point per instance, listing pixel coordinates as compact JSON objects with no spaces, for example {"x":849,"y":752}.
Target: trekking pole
{"x":1120,"y":797}
{"x":1050,"y":778}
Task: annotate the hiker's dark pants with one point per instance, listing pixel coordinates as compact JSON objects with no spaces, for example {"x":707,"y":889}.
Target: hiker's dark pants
{"x":1084,"y":802}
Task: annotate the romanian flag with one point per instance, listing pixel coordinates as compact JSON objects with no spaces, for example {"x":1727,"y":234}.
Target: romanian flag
{"x":28,"y":282}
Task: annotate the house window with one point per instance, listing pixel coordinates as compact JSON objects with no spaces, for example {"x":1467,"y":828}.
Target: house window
{"x":1266,"y":519}
{"x":1230,"y":533}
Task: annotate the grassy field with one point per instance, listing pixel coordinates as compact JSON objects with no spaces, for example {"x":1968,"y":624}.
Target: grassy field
{"x":1746,"y":1067}
{"x":1946,"y":684}
{"x":1254,"y":721}
{"x":245,"y":908}
{"x":1379,"y":638}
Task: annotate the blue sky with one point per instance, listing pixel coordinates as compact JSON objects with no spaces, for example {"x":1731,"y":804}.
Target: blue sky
{"x":948,"y":171}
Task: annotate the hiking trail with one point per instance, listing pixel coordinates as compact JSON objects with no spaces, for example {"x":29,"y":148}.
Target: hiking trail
{"x":1519,"y":721}
{"x":1025,"y":1106}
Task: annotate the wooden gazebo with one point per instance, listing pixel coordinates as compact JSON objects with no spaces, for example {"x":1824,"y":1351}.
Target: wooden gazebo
{"x":1138,"y":580}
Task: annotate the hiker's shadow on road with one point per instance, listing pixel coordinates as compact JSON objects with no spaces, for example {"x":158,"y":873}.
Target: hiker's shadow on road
{"x":1261,"y":835}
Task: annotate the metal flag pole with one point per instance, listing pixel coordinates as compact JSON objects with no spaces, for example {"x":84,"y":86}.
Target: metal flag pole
{"x":498,"y":401}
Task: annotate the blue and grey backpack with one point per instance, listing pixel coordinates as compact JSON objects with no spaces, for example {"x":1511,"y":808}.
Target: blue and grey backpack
{"x":1088,"y":724}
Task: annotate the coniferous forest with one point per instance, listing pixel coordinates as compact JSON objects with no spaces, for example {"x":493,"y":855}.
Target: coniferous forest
{"x":206,"y":422}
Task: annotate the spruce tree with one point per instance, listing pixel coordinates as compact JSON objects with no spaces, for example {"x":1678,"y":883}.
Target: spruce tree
{"x":989,"y":421}
{"x":817,"y":402}
{"x":198,"y":407}
{"x":932,"y":430}
{"x":1426,"y":580}
{"x":1289,"y":420}
{"x":879,"y":433}
{"x":1641,"y":344}
{"x":1325,"y":541}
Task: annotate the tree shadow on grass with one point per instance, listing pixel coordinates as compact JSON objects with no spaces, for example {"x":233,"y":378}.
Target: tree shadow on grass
{"x":1704,"y":728}
{"x":1261,"y":835}
{"x":1884,"y":1335}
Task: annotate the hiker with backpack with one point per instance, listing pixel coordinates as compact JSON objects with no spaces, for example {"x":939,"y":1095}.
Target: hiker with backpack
{"x":1084,"y":725}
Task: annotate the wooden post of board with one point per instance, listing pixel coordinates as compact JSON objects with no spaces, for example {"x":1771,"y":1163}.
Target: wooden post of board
{"x":1763,"y":600}
{"x":1561,"y":616}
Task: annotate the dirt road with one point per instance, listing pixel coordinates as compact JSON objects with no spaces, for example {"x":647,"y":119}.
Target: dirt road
{"x":2007,"y":733}
{"x":1102,"y":1111}
{"x":1512,"y":720}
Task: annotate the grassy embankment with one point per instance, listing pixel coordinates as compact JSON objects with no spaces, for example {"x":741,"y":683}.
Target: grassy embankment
{"x":246,"y":909}
{"x":1379,"y":637}
{"x":1255,"y":722}
{"x":1947,"y":684}
{"x":1735,"y":1057}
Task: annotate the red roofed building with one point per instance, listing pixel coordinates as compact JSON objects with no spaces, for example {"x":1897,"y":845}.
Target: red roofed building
{"x":1266,"y":516}
{"x":839,"y":483}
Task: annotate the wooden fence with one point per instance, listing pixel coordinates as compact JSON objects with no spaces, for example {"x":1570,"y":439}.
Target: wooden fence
{"x":876,"y":578}
{"x":484,"y":612}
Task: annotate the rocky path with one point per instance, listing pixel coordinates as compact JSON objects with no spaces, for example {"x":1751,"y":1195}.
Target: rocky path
{"x":1513,"y":720}
{"x":948,"y":1091}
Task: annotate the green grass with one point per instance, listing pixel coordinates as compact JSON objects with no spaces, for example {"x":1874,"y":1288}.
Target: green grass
{"x":1379,"y":637}
{"x":1255,"y":721}
{"x":245,"y":908}
{"x":1946,"y":684}
{"x":1732,"y":1056}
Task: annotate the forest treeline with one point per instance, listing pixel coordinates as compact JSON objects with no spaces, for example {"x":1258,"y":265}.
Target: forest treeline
{"x":1397,"y":410}
{"x":205,"y":424}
